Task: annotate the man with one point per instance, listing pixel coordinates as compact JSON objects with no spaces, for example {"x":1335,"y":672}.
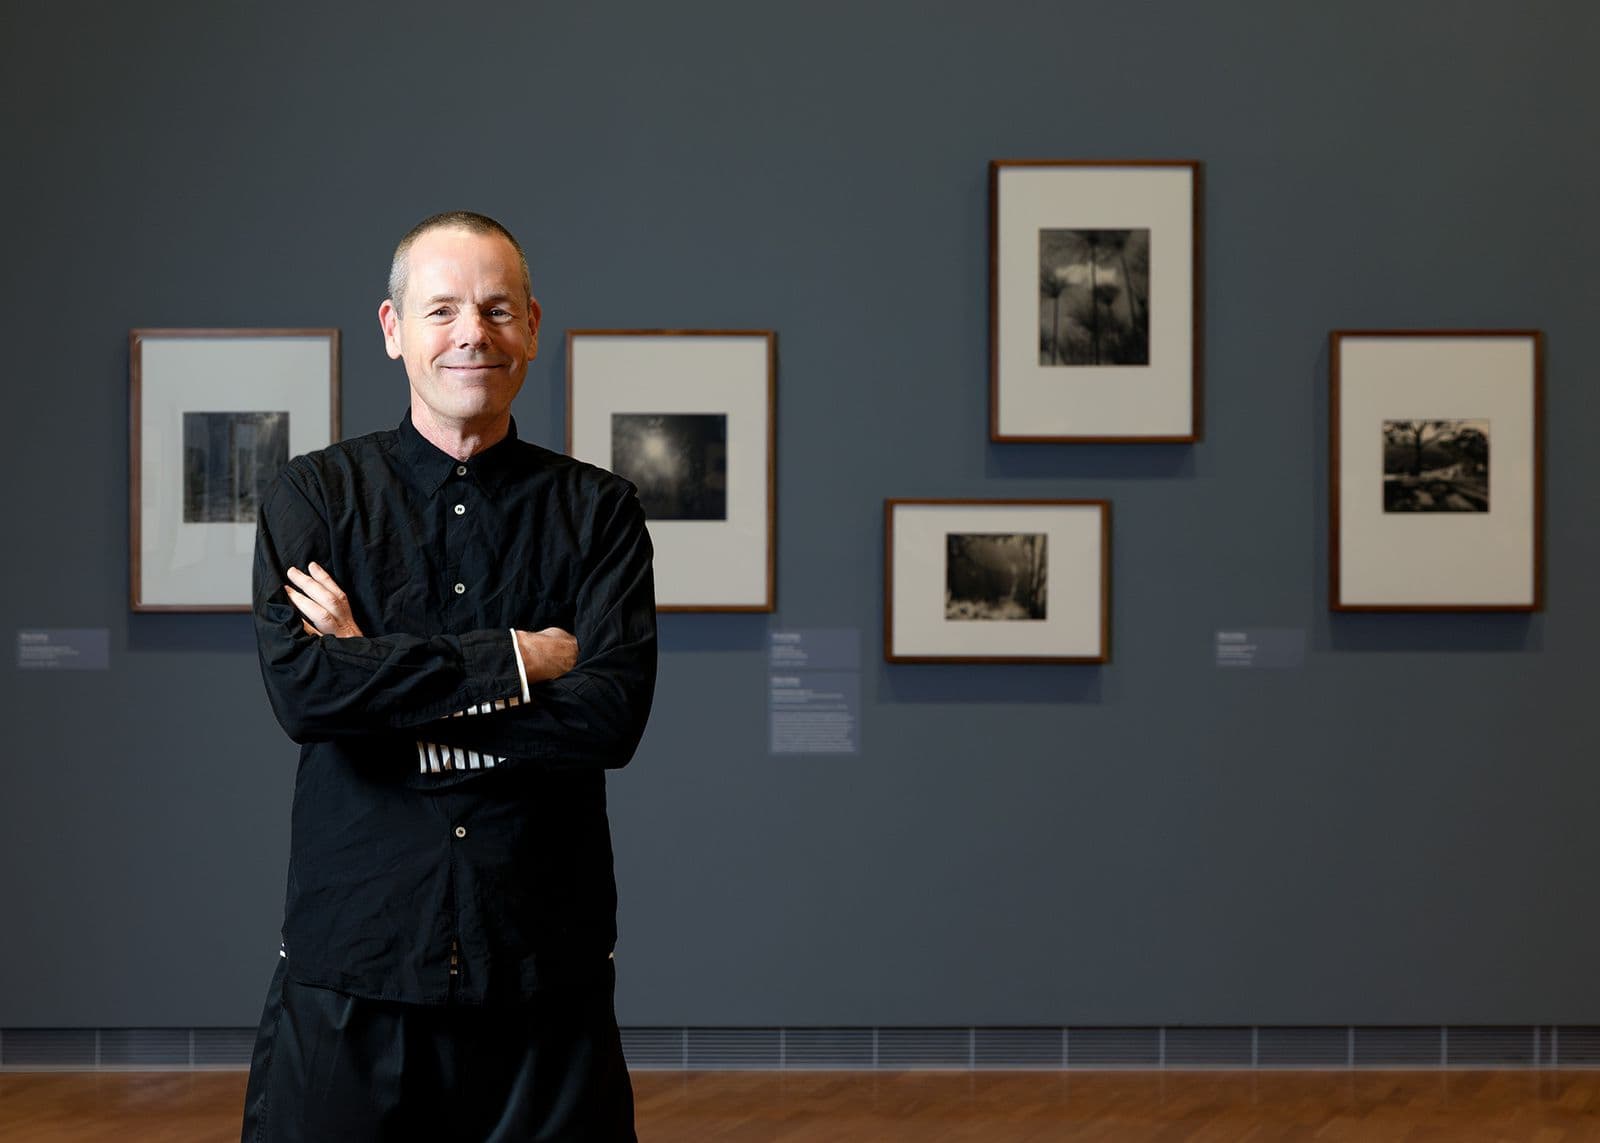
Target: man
{"x":459,"y":629}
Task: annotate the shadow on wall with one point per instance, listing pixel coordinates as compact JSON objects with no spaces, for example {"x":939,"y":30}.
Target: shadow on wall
{"x":1441,"y":631}
{"x":207,"y":634}
{"x":993,"y":683}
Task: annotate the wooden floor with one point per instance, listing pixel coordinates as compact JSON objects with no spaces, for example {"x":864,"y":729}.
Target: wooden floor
{"x":918,"y":1107}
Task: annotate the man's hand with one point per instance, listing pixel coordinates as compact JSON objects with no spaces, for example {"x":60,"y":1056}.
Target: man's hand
{"x":546,"y":654}
{"x":322,"y":601}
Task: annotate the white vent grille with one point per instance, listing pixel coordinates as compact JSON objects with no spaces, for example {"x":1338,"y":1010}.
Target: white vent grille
{"x":1399,"y":1047}
{"x":899,"y":1049}
{"x":1303,"y":1047}
{"x":1209,"y":1048}
{"x":146,"y":1048}
{"x":910,"y":1048}
{"x":1113,"y":1047}
{"x":828,"y":1048}
{"x":1019,"y":1048}
{"x":1491,"y":1047}
{"x":734,"y":1049}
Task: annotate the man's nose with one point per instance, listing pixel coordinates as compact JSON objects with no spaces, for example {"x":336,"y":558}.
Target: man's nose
{"x":471,"y":329}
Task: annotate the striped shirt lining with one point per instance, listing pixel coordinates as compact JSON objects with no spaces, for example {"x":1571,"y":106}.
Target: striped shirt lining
{"x":435,"y":759}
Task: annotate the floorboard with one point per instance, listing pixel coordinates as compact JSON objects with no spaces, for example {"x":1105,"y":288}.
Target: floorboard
{"x":919,"y":1107}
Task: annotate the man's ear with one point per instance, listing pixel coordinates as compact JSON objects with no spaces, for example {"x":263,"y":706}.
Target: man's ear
{"x":535,"y":313}
{"x":389,"y":319}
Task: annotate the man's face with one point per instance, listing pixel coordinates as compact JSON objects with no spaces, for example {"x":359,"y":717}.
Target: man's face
{"x":467,"y":331}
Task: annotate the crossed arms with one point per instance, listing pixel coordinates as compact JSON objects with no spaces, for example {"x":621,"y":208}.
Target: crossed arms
{"x":545,"y":655}
{"x":589,"y":689}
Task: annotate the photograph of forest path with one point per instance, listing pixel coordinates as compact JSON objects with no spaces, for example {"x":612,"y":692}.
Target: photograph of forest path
{"x":1094,"y":297}
{"x":999,"y":575}
{"x":1436,"y":466}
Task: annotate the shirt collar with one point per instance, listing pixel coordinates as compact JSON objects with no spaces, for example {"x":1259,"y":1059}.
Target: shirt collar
{"x":429,"y":467}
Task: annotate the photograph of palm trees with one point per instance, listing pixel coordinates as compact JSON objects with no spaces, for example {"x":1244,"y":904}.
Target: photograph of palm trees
{"x":228,"y":461}
{"x":995,"y":576}
{"x":678,"y":462}
{"x":1094,"y":297}
{"x":1436,"y":466}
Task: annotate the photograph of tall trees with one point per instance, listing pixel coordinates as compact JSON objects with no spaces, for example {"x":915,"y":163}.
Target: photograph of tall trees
{"x":1000,"y":575}
{"x":1094,"y":297}
{"x":229,"y":459}
{"x":1436,"y":466}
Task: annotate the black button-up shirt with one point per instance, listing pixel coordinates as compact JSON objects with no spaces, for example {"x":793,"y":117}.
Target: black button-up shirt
{"x":395,"y":874}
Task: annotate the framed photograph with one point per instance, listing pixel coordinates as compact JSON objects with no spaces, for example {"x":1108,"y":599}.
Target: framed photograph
{"x":1094,"y":301}
{"x":687,"y":415}
{"x":997,"y":581}
{"x":1436,"y":457}
{"x":213,"y":415}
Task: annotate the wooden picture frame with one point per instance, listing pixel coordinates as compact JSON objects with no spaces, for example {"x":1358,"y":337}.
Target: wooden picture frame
{"x":689,"y":416}
{"x":1095,"y":301}
{"x":997,"y":581}
{"x":1436,"y":470}
{"x":213,"y":414}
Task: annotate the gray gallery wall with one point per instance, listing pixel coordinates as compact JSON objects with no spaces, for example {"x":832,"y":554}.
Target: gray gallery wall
{"x":1400,"y":831}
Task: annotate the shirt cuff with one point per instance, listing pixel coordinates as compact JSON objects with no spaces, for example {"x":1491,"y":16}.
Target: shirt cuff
{"x":522,"y":672}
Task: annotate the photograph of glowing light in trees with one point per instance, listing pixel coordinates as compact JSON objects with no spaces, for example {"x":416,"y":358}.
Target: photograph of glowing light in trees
{"x":677,"y":461}
{"x":1094,"y":297}
{"x":687,"y":416}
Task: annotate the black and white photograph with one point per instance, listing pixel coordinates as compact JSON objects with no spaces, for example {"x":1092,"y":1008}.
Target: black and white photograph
{"x":1416,"y":416}
{"x":215,"y":415}
{"x":1436,"y":466}
{"x":678,"y":462}
{"x":229,"y":459}
{"x":995,"y":576}
{"x":1095,"y":301}
{"x":997,"y":581}
{"x":1094,"y":297}
{"x":689,"y":417}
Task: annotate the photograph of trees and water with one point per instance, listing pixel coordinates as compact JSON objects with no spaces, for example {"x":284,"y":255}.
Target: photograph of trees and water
{"x":1436,"y":466}
{"x":678,"y":462}
{"x":994,"y":575}
{"x":1094,"y":297}
{"x":228,"y":461}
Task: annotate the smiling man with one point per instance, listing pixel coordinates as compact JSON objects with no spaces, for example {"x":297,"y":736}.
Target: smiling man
{"x":458,"y":627}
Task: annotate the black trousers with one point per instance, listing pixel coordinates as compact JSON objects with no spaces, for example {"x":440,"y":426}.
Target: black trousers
{"x":332,"y":1068}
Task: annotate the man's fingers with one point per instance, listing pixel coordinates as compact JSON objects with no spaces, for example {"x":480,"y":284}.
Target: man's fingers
{"x":316,"y":613}
{"x":322,"y":603}
{"x":327,"y":597}
{"x":308,"y":607}
{"x":320,"y":574}
{"x":306,"y":582}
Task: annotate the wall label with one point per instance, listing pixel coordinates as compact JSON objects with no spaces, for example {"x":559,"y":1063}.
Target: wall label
{"x":1262,"y":648}
{"x":814,"y":691}
{"x":64,"y":649}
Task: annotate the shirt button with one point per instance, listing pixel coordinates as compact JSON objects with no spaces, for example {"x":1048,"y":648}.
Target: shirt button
{"x":461,"y":589}
{"x":461,"y":509}
{"x":461,"y":831}
{"x":461,"y":470}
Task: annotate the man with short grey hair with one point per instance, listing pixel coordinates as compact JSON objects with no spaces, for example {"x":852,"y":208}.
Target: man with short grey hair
{"x":458,"y":627}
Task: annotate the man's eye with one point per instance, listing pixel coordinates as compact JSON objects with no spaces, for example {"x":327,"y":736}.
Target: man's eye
{"x":440,"y":312}
{"x":499,"y":313}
